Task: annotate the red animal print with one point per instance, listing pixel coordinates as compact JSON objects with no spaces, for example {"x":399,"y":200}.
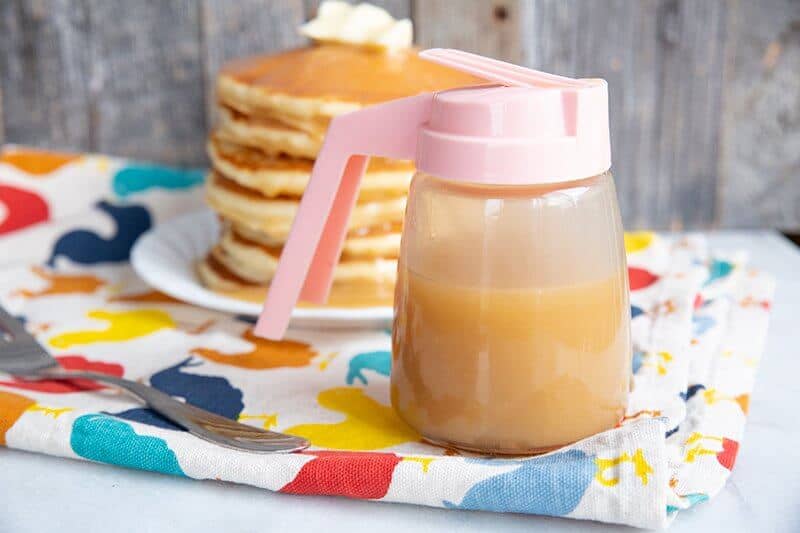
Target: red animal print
{"x":727,"y":457}
{"x":23,"y":208}
{"x":368,"y":475}
{"x":70,"y":362}
{"x":640,"y":278}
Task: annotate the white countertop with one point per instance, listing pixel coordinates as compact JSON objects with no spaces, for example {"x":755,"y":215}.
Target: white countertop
{"x":40,"y":493}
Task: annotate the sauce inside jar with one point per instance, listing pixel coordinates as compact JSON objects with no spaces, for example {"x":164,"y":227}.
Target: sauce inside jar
{"x":511,"y":330}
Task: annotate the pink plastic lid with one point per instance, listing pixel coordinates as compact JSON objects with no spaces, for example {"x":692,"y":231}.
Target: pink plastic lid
{"x":532,"y":128}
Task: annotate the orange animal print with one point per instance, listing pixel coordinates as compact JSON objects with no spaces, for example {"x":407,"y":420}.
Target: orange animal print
{"x":668,"y":307}
{"x":752,"y":302}
{"x":265,"y":354}
{"x":12,"y":406}
{"x":712,"y":396}
{"x":150,"y":297}
{"x":643,"y":413}
{"x":36,"y":162}
{"x":63,"y":284}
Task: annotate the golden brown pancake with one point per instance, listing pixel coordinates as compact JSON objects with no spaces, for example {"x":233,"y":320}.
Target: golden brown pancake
{"x":266,"y":135}
{"x":273,"y":216}
{"x":274,"y":112}
{"x":325,"y":80}
{"x":218,"y":278}
{"x":256,"y":265}
{"x":281,"y":175}
{"x":363,"y":243}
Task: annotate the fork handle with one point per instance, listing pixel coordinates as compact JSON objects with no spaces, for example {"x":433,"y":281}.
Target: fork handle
{"x":199,"y":422}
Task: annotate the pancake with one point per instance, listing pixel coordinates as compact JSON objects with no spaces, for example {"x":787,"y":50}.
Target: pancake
{"x":362,"y":243}
{"x":281,"y":175}
{"x":267,"y":135}
{"x":218,"y":278}
{"x":273,"y":216}
{"x":312,"y":84}
{"x":254,"y":264}
{"x":274,"y":113}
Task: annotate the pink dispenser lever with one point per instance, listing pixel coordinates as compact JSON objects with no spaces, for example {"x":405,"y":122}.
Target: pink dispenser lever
{"x":498,"y":71}
{"x":305,"y":270}
{"x":489,"y":135}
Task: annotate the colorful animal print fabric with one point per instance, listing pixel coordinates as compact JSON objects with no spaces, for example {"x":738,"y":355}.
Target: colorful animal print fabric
{"x":67,"y":224}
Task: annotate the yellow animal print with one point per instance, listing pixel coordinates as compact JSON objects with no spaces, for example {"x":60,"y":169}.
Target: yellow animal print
{"x":267,"y":420}
{"x":750,"y":362}
{"x":368,"y":425}
{"x":327,"y":360}
{"x":692,"y":452}
{"x":425,"y":462}
{"x":638,"y":241}
{"x":640,"y":467}
{"x":55,"y":412}
{"x":658,"y":360}
{"x":122,"y":326}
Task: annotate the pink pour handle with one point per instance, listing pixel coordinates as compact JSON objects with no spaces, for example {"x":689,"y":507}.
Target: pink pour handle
{"x":305,"y":269}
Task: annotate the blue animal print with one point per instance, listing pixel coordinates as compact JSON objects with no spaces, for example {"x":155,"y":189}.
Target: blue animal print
{"x":140,"y":178}
{"x":692,"y":499}
{"x":103,"y":438}
{"x":212,"y":393}
{"x":691,"y":391}
{"x":701,"y":324}
{"x":638,"y":358}
{"x":718,"y":269}
{"x":143,"y":415}
{"x":86,"y":247}
{"x":379,"y":361}
{"x":550,"y":485}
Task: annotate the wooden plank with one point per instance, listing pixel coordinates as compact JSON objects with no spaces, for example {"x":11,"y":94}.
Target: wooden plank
{"x":400,"y":9}
{"x":242,"y":28}
{"x":136,"y":78}
{"x":43,"y":73}
{"x":147,"y":80}
{"x":573,"y":39}
{"x":760,"y":164}
{"x":2,"y":122}
{"x":488,"y":28}
{"x":692,"y":60}
{"x":663,"y":60}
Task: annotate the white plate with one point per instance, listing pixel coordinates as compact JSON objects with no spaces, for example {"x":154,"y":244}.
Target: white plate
{"x":165,"y":258}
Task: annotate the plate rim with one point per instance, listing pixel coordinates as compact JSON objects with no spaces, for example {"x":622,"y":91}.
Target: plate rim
{"x":211,"y":300}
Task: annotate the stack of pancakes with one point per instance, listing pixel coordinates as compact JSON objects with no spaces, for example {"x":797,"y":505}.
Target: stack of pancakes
{"x":274,"y":111}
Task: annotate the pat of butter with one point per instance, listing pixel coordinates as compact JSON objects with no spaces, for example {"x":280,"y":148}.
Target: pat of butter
{"x":363,"y":25}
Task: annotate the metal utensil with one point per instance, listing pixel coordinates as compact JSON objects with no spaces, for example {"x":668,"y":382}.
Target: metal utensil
{"x":23,"y":356}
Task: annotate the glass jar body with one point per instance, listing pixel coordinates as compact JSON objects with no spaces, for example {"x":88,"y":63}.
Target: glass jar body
{"x":512,"y":319}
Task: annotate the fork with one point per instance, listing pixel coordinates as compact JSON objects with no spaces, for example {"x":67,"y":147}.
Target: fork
{"x":21,"y":355}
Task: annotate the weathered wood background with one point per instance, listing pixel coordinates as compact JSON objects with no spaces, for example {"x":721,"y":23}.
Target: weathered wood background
{"x":705,"y":94}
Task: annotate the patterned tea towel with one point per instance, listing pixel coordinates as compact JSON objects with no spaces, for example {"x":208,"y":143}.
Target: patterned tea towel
{"x":67,"y":224}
